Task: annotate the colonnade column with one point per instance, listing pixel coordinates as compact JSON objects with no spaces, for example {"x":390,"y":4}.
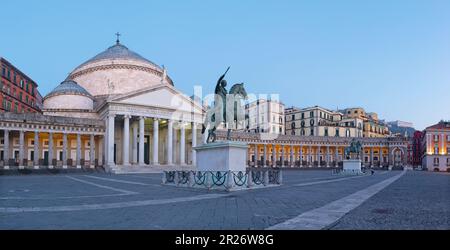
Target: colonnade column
{"x":135,"y":143}
{"x":64,"y":151}
{"x":274,"y":156}
{"x":155,"y":160}
{"x":318,"y":157}
{"x":328,"y":156}
{"x":21,"y":145}
{"x":371,"y":157}
{"x":126,"y":140}
{"x":265,"y":156}
{"x":169,"y":142}
{"x":50,"y":149}
{"x":194,"y":143}
{"x":79,"y":151}
{"x":6,"y":149}
{"x":336,"y":156}
{"x":256,"y":152}
{"x":301,"y":155}
{"x":141,"y":140}
{"x":310,"y":156}
{"x":292,"y":156}
{"x":36,"y":150}
{"x":91,"y":151}
{"x":110,"y":143}
{"x":182,"y":146}
{"x":381,"y":156}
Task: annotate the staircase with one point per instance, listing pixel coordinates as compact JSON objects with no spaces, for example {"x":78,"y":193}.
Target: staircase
{"x":149,"y":169}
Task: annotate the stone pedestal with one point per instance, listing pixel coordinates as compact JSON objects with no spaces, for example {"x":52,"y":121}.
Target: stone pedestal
{"x":222,"y":156}
{"x":352,"y":165}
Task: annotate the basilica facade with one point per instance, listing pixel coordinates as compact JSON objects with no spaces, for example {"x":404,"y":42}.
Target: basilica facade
{"x":117,"y":110}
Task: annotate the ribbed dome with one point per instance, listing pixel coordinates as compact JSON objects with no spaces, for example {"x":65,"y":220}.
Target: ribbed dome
{"x":68,"y":87}
{"x":118,"y":51}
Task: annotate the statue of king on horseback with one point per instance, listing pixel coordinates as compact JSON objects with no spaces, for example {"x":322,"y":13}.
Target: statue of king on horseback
{"x":228,"y":109}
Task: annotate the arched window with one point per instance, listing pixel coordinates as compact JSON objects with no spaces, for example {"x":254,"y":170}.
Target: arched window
{"x":293,"y":125}
{"x":311,"y":122}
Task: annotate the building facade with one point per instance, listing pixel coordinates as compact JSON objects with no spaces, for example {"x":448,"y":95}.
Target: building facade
{"x":436,"y":146}
{"x":318,"y":121}
{"x":318,"y":151}
{"x":265,"y":116}
{"x":117,"y":110}
{"x":373,"y":127}
{"x":19,"y":92}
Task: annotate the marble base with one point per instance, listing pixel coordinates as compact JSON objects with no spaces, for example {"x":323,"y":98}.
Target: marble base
{"x":353,"y":165}
{"x":222,"y":156}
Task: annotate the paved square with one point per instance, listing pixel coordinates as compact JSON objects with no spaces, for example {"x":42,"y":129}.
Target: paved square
{"x":307,"y":200}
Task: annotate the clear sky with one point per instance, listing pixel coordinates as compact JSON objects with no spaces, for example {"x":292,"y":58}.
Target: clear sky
{"x":390,"y":57}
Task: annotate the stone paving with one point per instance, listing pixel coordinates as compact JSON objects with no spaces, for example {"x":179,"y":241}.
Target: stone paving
{"x":138,"y":201}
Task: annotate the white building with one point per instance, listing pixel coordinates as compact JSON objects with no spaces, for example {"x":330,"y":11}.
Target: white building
{"x":265,"y":116}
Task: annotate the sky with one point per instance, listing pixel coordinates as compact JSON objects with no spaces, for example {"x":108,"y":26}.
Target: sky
{"x":389,"y":57}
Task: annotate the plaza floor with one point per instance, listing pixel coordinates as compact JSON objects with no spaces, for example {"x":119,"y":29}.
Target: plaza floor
{"x":306,"y":200}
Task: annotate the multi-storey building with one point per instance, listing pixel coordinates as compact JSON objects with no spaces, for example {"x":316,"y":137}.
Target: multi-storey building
{"x":265,"y":116}
{"x":318,"y":121}
{"x":436,"y":146}
{"x":19,"y":93}
{"x":373,"y":127}
{"x":415,"y":150}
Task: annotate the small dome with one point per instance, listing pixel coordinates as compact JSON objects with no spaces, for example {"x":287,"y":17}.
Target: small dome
{"x":68,"y":87}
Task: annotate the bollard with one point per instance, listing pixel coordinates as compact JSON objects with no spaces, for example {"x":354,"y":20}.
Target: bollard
{"x":266,"y":177}
{"x":230,"y":181}
{"x":249,"y":179}
{"x":280,"y":177}
{"x":191,"y":181}
{"x":164,"y":178}
{"x":175,"y":179}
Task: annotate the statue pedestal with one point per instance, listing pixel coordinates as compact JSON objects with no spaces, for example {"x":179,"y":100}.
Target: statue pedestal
{"x":352,"y":166}
{"x":222,"y":156}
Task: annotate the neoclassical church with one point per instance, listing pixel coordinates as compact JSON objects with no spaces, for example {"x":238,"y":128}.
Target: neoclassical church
{"x":116,"y":110}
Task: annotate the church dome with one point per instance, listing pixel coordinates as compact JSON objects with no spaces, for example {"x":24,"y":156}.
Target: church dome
{"x":68,"y":96}
{"x":118,"y":70}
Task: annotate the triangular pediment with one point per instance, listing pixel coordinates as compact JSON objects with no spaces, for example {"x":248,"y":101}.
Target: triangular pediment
{"x":160,"y":96}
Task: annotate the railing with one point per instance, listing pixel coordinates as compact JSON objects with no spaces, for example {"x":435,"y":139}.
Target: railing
{"x":226,"y":180}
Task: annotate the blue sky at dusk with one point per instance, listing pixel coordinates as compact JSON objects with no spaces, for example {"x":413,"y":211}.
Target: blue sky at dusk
{"x":390,"y":57}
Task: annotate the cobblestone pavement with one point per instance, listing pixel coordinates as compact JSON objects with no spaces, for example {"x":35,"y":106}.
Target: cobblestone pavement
{"x":103,"y":201}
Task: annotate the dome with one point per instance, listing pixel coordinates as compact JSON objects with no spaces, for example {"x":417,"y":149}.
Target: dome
{"x":68,"y":87}
{"x":118,"y":70}
{"x":68,"y":96}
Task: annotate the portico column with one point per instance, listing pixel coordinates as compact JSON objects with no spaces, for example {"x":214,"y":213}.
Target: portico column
{"x":301,"y":155}
{"x":110,"y":143}
{"x":155,"y":160}
{"x":292,"y":156}
{"x":64,"y":151}
{"x":336,"y":155}
{"x":194,"y":143}
{"x":50,"y":149}
{"x":135,"y":143}
{"x":182,"y":146}
{"x":6,"y":149}
{"x":169,"y":142}
{"x":328,"y":156}
{"x":91,"y":151}
{"x":256,"y":151}
{"x":21,"y":145}
{"x":318,"y":157}
{"x":126,"y":140}
{"x":78,"y":151}
{"x":310,"y":160}
{"x":381,"y":157}
{"x":36,"y":150}
{"x":274,"y":156}
{"x":371,"y":157}
{"x":265,"y":156}
{"x":141,"y":141}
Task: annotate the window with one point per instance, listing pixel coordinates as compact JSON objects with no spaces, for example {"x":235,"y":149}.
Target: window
{"x":303,"y":131}
{"x":9,"y":75}
{"x":326,"y":131}
{"x":303,"y":115}
{"x":311,"y":114}
{"x":312,"y":132}
{"x":293,"y":125}
{"x":14,"y":78}
{"x":302,"y":124}
{"x":436,"y":138}
{"x":20,"y":96}
{"x":436,"y":150}
{"x":293,"y":117}
{"x":281,"y":130}
{"x":347,"y":133}
{"x":3,"y":71}
{"x":273,"y":129}
{"x":21,"y":83}
{"x":337,"y":132}
{"x":436,"y":161}
{"x":293,"y":132}
{"x":311,"y":122}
